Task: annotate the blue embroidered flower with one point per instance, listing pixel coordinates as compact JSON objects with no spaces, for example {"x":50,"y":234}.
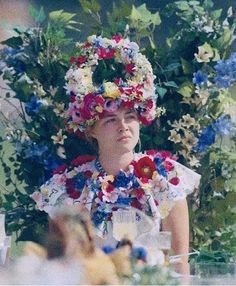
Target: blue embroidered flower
{"x":80,"y":181}
{"x":98,"y":217}
{"x":122,"y":180}
{"x":160,"y":168}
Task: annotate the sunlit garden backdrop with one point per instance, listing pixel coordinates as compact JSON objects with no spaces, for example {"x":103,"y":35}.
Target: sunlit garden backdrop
{"x":195,"y":68}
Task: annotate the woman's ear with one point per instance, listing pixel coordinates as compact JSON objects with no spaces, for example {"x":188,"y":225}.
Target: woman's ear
{"x":90,"y":132}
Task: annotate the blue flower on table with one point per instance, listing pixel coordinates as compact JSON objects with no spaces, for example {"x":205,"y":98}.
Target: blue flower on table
{"x":33,"y":105}
{"x":199,"y":78}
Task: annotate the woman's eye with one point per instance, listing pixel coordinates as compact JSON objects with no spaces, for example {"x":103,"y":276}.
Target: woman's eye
{"x":111,"y":120}
{"x":131,"y":116}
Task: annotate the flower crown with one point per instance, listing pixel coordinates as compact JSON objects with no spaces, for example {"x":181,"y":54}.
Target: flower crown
{"x":107,"y":74}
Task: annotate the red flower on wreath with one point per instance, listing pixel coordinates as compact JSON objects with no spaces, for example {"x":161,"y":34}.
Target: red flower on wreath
{"x":144,"y":168}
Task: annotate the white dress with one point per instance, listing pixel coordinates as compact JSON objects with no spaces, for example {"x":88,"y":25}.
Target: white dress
{"x":152,"y":184}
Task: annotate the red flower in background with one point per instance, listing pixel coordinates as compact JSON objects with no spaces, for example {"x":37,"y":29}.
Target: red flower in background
{"x":144,"y":168}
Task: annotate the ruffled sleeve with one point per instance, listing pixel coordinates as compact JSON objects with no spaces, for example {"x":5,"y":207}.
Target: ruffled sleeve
{"x":50,"y":193}
{"x":65,"y":188}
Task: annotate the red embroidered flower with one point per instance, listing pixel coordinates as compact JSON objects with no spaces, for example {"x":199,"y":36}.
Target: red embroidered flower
{"x":144,"y":168}
{"x":82,"y":159}
{"x":109,"y":188}
{"x":174,"y":181}
{"x":70,"y":189}
{"x":59,"y":170}
{"x":136,"y":204}
{"x":139,"y":193}
{"x":168,"y":166}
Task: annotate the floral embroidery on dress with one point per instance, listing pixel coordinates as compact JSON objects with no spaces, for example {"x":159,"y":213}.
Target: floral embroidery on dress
{"x":153,"y":177}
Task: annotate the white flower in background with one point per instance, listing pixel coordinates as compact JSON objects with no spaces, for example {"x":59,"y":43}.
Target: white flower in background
{"x":189,"y":140}
{"x":202,"y":95}
{"x":53,"y":90}
{"x":188,"y":120}
{"x":59,"y":138}
{"x":61,"y":152}
{"x":174,"y":136}
{"x":59,"y":109}
{"x":177,"y":125}
{"x":160,"y":111}
{"x":205,"y":53}
{"x":193,"y":162}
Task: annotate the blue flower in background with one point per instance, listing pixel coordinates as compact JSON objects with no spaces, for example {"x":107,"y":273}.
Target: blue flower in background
{"x":223,"y":126}
{"x":226,"y":72}
{"x":50,"y":163}
{"x":206,"y":138}
{"x":199,"y":78}
{"x":14,"y":58}
{"x":35,"y":152}
{"x":33,"y":105}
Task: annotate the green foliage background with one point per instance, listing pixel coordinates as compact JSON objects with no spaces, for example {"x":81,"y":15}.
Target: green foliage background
{"x":45,"y":57}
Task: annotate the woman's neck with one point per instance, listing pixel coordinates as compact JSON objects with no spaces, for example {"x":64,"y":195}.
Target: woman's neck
{"x":113,"y":163}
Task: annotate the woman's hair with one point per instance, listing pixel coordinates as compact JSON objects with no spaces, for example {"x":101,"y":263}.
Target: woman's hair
{"x":91,"y":140}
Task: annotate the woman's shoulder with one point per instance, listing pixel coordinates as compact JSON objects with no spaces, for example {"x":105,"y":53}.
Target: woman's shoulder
{"x":80,"y":164}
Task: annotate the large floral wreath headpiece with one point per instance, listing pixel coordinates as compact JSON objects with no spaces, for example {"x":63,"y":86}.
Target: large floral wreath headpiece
{"x":106,"y":74}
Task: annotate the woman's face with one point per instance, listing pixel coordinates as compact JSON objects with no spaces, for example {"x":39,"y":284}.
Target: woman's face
{"x":117,"y":132}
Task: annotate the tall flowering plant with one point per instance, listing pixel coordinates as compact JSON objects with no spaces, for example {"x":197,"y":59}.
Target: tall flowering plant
{"x":195,"y":83}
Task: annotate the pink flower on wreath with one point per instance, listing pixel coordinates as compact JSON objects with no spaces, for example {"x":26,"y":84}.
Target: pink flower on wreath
{"x":73,"y":112}
{"x":90,"y":102}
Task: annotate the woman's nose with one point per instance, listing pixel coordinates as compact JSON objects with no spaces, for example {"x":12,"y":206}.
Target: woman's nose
{"x":122,"y":126}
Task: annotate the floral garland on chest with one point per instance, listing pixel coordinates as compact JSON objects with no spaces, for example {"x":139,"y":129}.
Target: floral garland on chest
{"x":151,"y":183}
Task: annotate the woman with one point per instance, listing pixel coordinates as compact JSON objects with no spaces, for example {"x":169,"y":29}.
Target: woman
{"x":111,"y":88}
